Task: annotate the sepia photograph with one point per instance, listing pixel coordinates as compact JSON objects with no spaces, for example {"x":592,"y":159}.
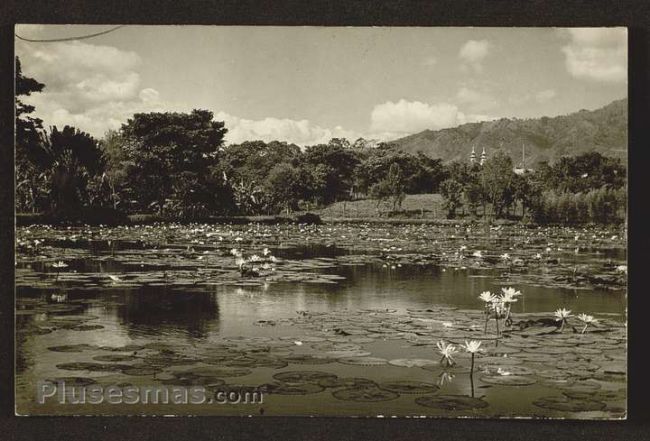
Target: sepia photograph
{"x":321,"y":221}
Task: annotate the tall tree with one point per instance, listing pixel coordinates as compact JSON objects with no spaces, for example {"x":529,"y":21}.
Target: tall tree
{"x":171,"y":157}
{"x":497,"y":178}
{"x":30,"y":181}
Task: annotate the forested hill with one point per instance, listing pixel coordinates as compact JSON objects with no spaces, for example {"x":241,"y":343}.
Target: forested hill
{"x":545,"y":139}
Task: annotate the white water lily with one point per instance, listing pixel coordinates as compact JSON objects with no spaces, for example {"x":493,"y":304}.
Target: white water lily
{"x":587,"y":320}
{"x":622,"y":269}
{"x":266,"y":252}
{"x":447,"y":350}
{"x":505,"y":256}
{"x":473,"y":346}
{"x":562,"y":314}
{"x":255,"y":258}
{"x":235,"y":252}
{"x":487,"y":297}
{"x":478,"y":254}
{"x":59,"y":264}
{"x":240,"y":261}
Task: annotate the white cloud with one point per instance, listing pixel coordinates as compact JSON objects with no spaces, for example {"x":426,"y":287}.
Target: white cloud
{"x":472,"y":53}
{"x":544,"y":96}
{"x":597,"y":54}
{"x":300,"y":132}
{"x":476,"y":100}
{"x":92,"y":87}
{"x":405,"y":117}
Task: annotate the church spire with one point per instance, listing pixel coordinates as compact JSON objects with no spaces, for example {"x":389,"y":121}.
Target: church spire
{"x":483,"y":156}
{"x":472,"y":157}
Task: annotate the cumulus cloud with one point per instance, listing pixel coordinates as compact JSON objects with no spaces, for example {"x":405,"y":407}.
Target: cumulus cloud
{"x":300,"y":132}
{"x":597,"y":54}
{"x":93,"y":87}
{"x":472,"y":54}
{"x":391,"y":120}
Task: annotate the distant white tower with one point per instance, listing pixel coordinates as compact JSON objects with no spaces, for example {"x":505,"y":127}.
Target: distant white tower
{"x":472,"y":157}
{"x":483,"y":156}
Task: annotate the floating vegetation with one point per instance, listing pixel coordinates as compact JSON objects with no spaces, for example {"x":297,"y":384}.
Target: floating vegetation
{"x":292,"y":388}
{"x":412,"y":362}
{"x":74,"y":381}
{"x":303,"y":376}
{"x":409,"y":387}
{"x":451,"y":402}
{"x":508,"y":380}
{"x":365,"y":394}
{"x":569,"y":405}
{"x":581,"y":357}
{"x":114,"y":358}
{"x":363,"y":361}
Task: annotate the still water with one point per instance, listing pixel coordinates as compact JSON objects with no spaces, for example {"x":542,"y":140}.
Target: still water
{"x":196,"y":319}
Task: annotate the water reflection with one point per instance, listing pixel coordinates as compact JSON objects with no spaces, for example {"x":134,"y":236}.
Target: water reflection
{"x":155,"y":311}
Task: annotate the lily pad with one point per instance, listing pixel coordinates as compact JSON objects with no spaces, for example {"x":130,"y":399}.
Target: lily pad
{"x":363,"y":361}
{"x":346,"y":382}
{"x":451,"y":402}
{"x":412,"y":362}
{"x":508,"y":380}
{"x":303,"y":376}
{"x":114,"y":357}
{"x":292,"y":388}
{"x":568,"y":405}
{"x":410,"y":387}
{"x":366,"y":394}
{"x":138,"y":370}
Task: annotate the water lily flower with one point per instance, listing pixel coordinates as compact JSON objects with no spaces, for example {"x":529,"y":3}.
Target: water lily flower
{"x":297,"y":343}
{"x":478,"y":254}
{"x":255,"y":258}
{"x":114,"y":278}
{"x":235,"y":252}
{"x":447,"y":350}
{"x":562,"y":315}
{"x":487,"y":297}
{"x":587,"y":320}
{"x":505,"y":256}
{"x":622,"y":269}
{"x":472,"y":347}
{"x":59,"y":264}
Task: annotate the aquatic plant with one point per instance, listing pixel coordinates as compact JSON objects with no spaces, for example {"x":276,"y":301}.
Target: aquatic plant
{"x":487,"y":298}
{"x":58,"y":266}
{"x":472,"y":347}
{"x":587,"y":320}
{"x":447,"y":350}
{"x":562,"y":315}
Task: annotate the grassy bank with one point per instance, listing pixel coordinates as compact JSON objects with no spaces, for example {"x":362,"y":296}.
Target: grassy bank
{"x":414,"y":206}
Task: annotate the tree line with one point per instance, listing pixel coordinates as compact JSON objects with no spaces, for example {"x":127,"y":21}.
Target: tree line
{"x":177,"y":165}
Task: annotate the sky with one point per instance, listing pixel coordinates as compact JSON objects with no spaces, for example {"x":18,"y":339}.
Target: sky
{"x":308,"y":84}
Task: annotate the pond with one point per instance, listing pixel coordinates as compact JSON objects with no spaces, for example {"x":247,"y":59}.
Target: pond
{"x":339,"y":319}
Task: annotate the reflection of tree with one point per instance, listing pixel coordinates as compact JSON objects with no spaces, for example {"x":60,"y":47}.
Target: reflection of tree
{"x":155,"y":311}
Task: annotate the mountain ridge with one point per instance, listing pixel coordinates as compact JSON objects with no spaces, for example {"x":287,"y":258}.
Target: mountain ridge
{"x":604,"y":130}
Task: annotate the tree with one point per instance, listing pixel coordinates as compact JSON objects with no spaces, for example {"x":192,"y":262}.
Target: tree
{"x":335,"y":166}
{"x":285,"y":186}
{"x":30,"y":180}
{"x":497,"y":178}
{"x":452,"y":191}
{"x":170,"y":158}
{"x":71,"y":158}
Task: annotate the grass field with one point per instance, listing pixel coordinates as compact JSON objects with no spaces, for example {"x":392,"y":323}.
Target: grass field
{"x":414,"y":206}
